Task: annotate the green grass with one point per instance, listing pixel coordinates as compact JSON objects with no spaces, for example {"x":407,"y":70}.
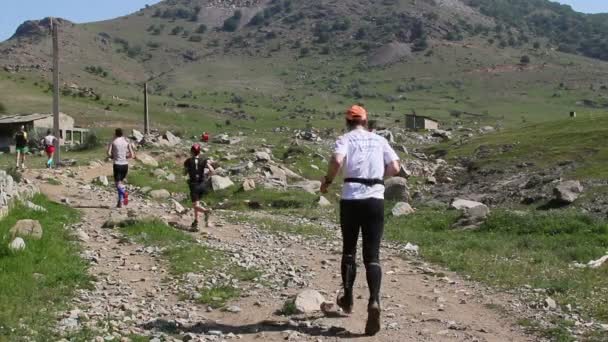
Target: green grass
{"x":143,"y":177}
{"x":546,"y":145}
{"x":218,"y":296}
{"x":234,"y":198}
{"x":289,"y":308}
{"x":512,"y":250}
{"x":38,"y":282}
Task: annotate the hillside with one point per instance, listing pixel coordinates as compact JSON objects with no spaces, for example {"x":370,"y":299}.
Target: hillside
{"x":264,"y":60}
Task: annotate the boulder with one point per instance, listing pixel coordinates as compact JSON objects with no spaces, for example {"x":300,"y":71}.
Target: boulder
{"x":324,"y":202}
{"x":146,"y":159}
{"x":178,"y":207}
{"x":386,"y":134}
{"x":27,"y":229}
{"x":226,"y":140}
{"x":550,"y":304}
{"x":276,"y":173}
{"x":402,"y":209}
{"x":462,"y":204}
{"x":439,"y":133}
{"x":172,"y":139}
{"x":17,"y":245}
{"x":309,"y":301}
{"x":262,"y":157}
{"x":158,"y":173}
{"x":396,"y":190}
{"x":220,"y":183}
{"x":248,"y":185}
{"x":568,"y":191}
{"x":34,"y":207}
{"x":114,"y":220}
{"x":290,"y":174}
{"x":171,"y":177}
{"x":160,"y":194}
{"x":308,"y":186}
{"x":137,"y":136}
{"x":103,"y":180}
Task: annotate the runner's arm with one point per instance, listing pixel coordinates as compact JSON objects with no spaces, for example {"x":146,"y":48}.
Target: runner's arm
{"x":335,"y":164}
{"x":391,"y":161}
{"x":211,"y":169}
{"x":109,"y":150}
{"x":131,"y":151}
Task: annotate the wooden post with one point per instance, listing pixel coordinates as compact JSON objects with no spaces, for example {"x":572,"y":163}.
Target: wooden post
{"x":146,"y":113}
{"x":56,"y":128}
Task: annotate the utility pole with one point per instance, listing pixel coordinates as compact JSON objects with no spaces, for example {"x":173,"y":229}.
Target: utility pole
{"x":56,"y":128}
{"x":146,"y":113}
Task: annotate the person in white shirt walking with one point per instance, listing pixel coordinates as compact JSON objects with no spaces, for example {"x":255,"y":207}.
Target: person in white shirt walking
{"x":367,"y":159}
{"x":49,"y":147}
{"x":120,"y":150}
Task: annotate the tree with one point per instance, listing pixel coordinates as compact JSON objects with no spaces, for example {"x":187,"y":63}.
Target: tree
{"x":536,"y":45}
{"x":525,"y":60}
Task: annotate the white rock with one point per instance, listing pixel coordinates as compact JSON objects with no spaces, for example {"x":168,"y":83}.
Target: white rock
{"x":160,"y":194}
{"x":262,"y":157}
{"x":17,"y":245}
{"x":324,"y":202}
{"x":568,"y":191}
{"x":220,"y":183}
{"x":27,"y":229}
{"x":402,"y":209}
{"x":550,"y":304}
{"x":146,"y":159}
{"x":309,"y":301}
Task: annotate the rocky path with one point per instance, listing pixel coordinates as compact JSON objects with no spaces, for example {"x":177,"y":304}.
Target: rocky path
{"x":135,"y":294}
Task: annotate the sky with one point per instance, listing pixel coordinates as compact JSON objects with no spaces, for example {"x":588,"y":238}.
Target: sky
{"x":15,"y":12}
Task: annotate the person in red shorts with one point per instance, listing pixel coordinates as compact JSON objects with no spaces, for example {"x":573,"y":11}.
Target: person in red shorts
{"x":49,"y":147}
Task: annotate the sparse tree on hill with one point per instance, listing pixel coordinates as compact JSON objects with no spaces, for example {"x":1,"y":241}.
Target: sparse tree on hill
{"x":525,"y":60}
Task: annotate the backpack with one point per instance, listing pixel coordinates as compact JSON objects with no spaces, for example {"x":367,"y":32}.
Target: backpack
{"x":20,"y":139}
{"x":195,"y":167}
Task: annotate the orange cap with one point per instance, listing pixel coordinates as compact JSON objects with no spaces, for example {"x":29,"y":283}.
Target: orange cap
{"x":356,"y":112}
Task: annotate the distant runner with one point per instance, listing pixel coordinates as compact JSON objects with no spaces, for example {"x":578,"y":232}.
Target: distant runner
{"x":49,"y":147}
{"x":195,"y":167}
{"x":205,"y":137}
{"x":367,"y":158}
{"x":21,"y":142}
{"x":120,"y":150}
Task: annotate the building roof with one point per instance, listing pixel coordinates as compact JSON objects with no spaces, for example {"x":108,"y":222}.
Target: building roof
{"x":421,"y":116}
{"x":22,"y":118}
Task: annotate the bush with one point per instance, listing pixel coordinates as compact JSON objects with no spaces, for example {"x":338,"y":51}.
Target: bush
{"x":231,"y":24}
{"x":201,"y":29}
{"x":90,"y":143}
{"x":2,"y":108}
{"x":196,"y":39}
{"x":177,"y":30}
{"x":525,"y":60}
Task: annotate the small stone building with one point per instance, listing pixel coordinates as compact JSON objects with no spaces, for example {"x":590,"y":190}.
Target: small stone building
{"x":37,"y":125}
{"x":419,"y":122}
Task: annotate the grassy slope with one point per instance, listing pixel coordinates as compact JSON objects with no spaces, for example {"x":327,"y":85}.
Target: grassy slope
{"x":549,"y":143}
{"x":37,"y":283}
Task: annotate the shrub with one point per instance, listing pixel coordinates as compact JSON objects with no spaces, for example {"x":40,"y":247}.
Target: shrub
{"x":2,"y":108}
{"x":196,"y":39}
{"x":202,"y":28}
{"x":90,"y":143}
{"x":524,"y":60}
{"x":177,"y":30}
{"x":232,"y":23}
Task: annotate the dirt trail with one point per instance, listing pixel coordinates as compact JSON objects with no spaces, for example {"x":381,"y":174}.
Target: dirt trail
{"x":132,"y":283}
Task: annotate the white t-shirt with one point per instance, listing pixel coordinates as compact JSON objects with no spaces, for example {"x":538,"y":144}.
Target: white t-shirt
{"x":49,"y":140}
{"x":120,"y":151}
{"x":366,"y":156}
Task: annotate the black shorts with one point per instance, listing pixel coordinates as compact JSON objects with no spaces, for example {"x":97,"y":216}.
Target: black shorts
{"x":120,"y":172}
{"x":197,"y":191}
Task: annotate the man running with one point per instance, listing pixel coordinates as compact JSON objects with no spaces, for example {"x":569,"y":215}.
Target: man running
{"x":49,"y":147}
{"x":195,"y":167}
{"x":120,"y":150}
{"x":367,"y":158}
{"x":21,"y":142}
